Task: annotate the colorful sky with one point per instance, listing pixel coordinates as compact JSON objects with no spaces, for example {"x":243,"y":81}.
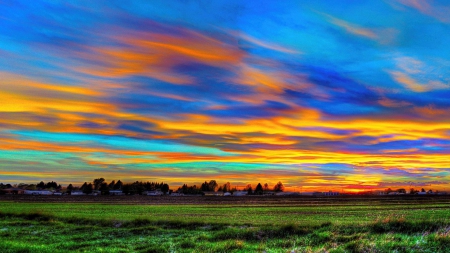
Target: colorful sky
{"x":325,"y":95}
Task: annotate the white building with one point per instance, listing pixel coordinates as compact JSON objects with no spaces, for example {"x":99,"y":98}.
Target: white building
{"x":38,"y":192}
{"x":240,"y":193}
{"x":153,"y":193}
{"x":115,"y":192}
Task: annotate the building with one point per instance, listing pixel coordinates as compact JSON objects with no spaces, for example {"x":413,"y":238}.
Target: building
{"x":38,"y":192}
{"x":13,"y":190}
{"x":331,"y":193}
{"x":116,"y":192}
{"x":212,"y":193}
{"x":156,"y":192}
{"x":240,"y":193}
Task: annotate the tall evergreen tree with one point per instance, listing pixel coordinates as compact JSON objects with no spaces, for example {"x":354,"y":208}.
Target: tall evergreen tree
{"x":118,"y":185}
{"x":83,"y":186}
{"x":259,"y":189}
{"x":111,"y":185}
{"x":249,"y":190}
{"x":69,"y":188}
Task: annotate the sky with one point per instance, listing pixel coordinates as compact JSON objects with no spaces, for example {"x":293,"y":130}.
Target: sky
{"x":322,"y":95}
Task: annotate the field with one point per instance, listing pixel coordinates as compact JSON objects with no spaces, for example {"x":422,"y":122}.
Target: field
{"x":224,"y":224}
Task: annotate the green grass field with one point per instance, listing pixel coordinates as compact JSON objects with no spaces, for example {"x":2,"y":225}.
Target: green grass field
{"x":374,"y":225}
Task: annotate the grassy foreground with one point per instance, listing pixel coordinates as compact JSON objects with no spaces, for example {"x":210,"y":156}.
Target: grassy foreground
{"x":355,"y":226}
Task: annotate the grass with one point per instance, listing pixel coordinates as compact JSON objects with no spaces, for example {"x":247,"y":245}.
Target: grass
{"x":409,"y":226}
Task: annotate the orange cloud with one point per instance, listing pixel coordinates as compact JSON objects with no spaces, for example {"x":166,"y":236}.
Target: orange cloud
{"x":351,"y":28}
{"x":408,"y":82}
{"x":18,"y":83}
{"x":154,"y":55}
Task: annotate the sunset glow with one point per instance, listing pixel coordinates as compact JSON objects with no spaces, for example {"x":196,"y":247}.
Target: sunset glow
{"x":322,"y":95}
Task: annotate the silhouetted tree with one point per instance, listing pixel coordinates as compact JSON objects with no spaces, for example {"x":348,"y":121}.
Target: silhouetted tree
{"x":83,"y":186}
{"x":259,"y":189}
{"x":111,"y":185}
{"x":41,"y":185}
{"x":165,"y":188}
{"x":249,"y":190}
{"x":423,"y":190}
{"x":69,"y":189}
{"x":88,"y":189}
{"x":118,"y":185}
{"x":226,"y":187}
{"x":190,"y":190}
{"x":51,"y":185}
{"x":31,"y":187}
{"x":133,"y":188}
{"x":279,"y":187}
{"x":266,"y":187}
{"x":213,"y":185}
{"x":98,"y":182}
{"x":209,"y":186}
{"x":205,"y":187}
{"x":104,"y":189}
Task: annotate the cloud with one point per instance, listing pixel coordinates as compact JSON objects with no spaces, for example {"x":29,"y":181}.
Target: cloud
{"x":155,"y":54}
{"x":409,"y":68}
{"x":413,"y":85}
{"x":410,"y":184}
{"x":263,"y":44}
{"x":352,"y":28}
{"x":429,"y":8}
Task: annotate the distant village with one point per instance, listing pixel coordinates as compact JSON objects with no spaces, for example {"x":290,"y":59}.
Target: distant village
{"x":99,"y":186}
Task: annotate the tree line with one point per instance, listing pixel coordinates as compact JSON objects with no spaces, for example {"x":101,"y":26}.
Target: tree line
{"x":411,"y":191}
{"x":213,"y":186}
{"x":99,"y":185}
{"x":39,"y":186}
